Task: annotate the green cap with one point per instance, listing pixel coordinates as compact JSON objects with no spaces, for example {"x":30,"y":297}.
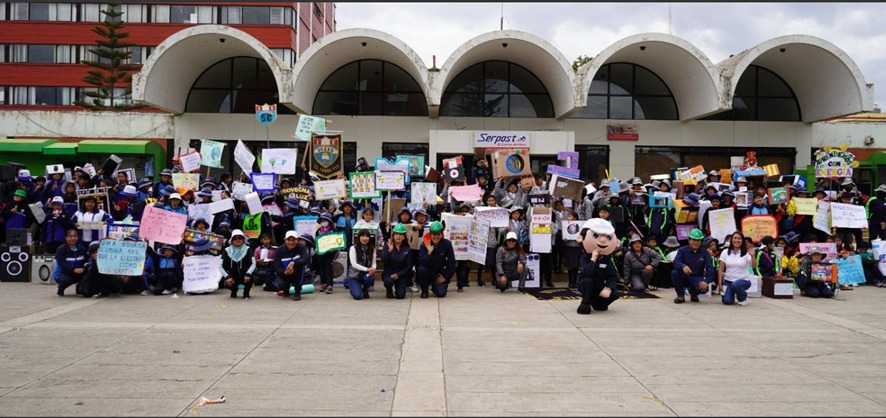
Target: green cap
{"x":400,"y":229}
{"x":436,"y":226}
{"x":696,"y":234}
{"x":21,"y":193}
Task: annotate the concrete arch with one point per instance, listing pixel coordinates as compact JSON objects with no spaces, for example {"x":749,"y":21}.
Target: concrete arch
{"x":826,"y":81}
{"x":535,"y":54}
{"x":686,"y":70}
{"x":173,"y":67}
{"x":345,"y":46}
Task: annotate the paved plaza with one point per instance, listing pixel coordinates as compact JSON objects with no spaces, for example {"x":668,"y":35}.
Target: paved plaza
{"x":475,"y":353}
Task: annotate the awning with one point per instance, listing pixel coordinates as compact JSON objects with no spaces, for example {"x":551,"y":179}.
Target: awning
{"x":25,"y":145}
{"x":61,"y":148}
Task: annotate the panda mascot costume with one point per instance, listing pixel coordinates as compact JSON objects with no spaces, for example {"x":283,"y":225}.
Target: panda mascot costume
{"x":597,"y":275}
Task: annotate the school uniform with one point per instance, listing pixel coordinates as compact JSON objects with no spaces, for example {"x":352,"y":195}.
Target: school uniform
{"x":298,"y":255}
{"x":66,"y":260}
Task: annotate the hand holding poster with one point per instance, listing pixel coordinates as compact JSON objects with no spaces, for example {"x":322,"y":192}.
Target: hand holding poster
{"x":457,"y":230}
{"x":848,"y":216}
{"x":330,"y":242}
{"x":822,"y":219}
{"x":201,"y":211}
{"x":121,"y":258}
{"x":759,"y":226}
{"x":190,"y":161}
{"x":201,"y":273}
{"x":330,"y":189}
{"x":363,"y":185}
{"x":308,"y":124}
{"x":243,"y":157}
{"x":496,"y":216}
{"x":264,"y":182}
{"x":850,"y":270}
{"x":571,"y":229}
{"x":471,"y":193}
{"x":279,"y":160}
{"x":424,"y":193}
{"x":162,"y":225}
{"x":211,"y":153}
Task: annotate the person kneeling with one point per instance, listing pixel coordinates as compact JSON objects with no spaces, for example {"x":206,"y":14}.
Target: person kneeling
{"x":436,"y":262}
{"x":397,"y":259}
{"x":596,"y":279}
{"x":361,"y":269}
{"x":693,"y":268}
{"x":238,"y":263}
{"x":510,"y":264}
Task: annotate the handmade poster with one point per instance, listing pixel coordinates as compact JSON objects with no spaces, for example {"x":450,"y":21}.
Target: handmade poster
{"x":848,"y":216}
{"x":201,"y":273}
{"x":759,"y":226}
{"x":273,"y":209}
{"x":101,"y":198}
{"x":263,"y":182}
{"x":741,"y":199}
{"x":850,"y":269}
{"x":253,"y":202}
{"x":121,"y":258}
{"x":696,"y":173}
{"x":252,"y":226}
{"x":307,"y":125}
{"x":325,"y":157}
{"x":511,"y":163}
{"x":217,"y":195}
{"x":457,"y":230}
{"x":129,"y":172}
{"x":186,"y":181}
{"x":431,"y":174}
{"x":878,"y":247}
{"x":162,"y":225}
{"x":38,"y":212}
{"x":806,"y":205}
{"x":496,"y":216}
{"x":91,"y":225}
{"x":683,"y":231}
{"x":330,"y":189}
{"x":662,"y":200}
{"x":829,"y":248}
{"x":195,"y":241}
{"x":703,"y":207}
{"x":566,"y":187}
{"x":477,"y":239}
{"x":571,"y":229}
{"x":778,"y":195}
{"x":389,"y":180}
{"x":527,"y":182}
{"x":540,"y":230}
{"x":305,"y":225}
{"x":453,"y":170}
{"x":569,"y":158}
{"x":416,"y":164}
{"x":121,"y":230}
{"x":722,"y":223}
{"x":211,"y":153}
{"x":822,"y":272}
{"x":399,"y":164}
{"x":201,"y":211}
{"x":363,"y":185}
{"x":240,"y":190}
{"x":190,"y":161}
{"x":423,"y":193}
{"x":330,"y":242}
{"x":834,"y":162}
{"x":243,"y":157}
{"x":470,"y":193}
{"x":279,"y":160}
{"x":301,"y":193}
{"x":533,"y":263}
{"x":638,"y":198}
{"x":221,"y":205}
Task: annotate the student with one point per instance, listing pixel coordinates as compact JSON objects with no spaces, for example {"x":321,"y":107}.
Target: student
{"x":510,"y":265}
{"x":56,"y":224}
{"x":238,"y":265}
{"x":264,"y":258}
{"x":572,"y":256}
{"x":17,"y":214}
{"x":768,"y":264}
{"x":734,"y":270}
{"x":290,"y":260}
{"x":169,"y":271}
{"x":70,"y":262}
{"x":361,"y":266}
{"x":809,"y":286}
{"x":398,"y":263}
{"x":325,"y":261}
{"x":436,"y":263}
{"x":90,"y":213}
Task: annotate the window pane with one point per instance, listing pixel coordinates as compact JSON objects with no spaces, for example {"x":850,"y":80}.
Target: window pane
{"x":181,"y":14}
{"x":648,"y":83}
{"x":256,"y":15}
{"x":621,"y":76}
{"x":276,"y":17}
{"x":656,"y":108}
{"x":243,"y":73}
{"x":19,"y":11}
{"x":599,"y":87}
{"x":469,"y":81}
{"x":44,"y":95}
{"x":345,"y":78}
{"x":136,"y":56}
{"x":161,"y":14}
{"x":746,"y":84}
{"x":495,"y":77}
{"x":770,"y":85}
{"x":405,"y":104}
{"x":370,"y":76}
{"x":41,"y":53}
{"x":231,"y":15}
{"x":398,"y":80}
{"x":371,"y":104}
{"x":777,"y":110}
{"x":524,"y":81}
{"x":40,"y":11}
{"x":336,"y":104}
{"x":205,"y":14}
{"x":209,"y":101}
{"x":620,"y":107}
{"x":743,"y":109}
{"x":496,"y":105}
{"x":133,"y":13}
{"x":65,"y":12}
{"x":63,"y":54}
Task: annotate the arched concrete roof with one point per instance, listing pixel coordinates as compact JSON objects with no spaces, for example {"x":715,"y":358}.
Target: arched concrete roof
{"x":525,"y":49}
{"x":826,"y":81}
{"x":332,"y":51}
{"x":173,"y":67}
{"x":686,"y":70}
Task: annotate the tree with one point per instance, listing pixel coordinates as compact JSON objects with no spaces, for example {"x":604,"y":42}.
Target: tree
{"x":581,"y":60}
{"x":110,"y":71}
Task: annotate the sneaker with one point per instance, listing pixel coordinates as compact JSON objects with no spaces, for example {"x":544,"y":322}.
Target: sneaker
{"x":166,"y":292}
{"x":413,"y":289}
{"x":145,"y":292}
{"x":298,"y":297}
{"x":328,"y":290}
{"x":679,"y":300}
{"x":60,"y":293}
{"x":583,"y":309}
{"x":743,"y":303}
{"x":693,"y":298}
{"x":460,"y":289}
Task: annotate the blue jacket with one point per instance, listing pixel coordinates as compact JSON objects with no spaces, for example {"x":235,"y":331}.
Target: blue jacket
{"x":67,"y":259}
{"x":283,"y":256}
{"x":441,"y":260}
{"x":700,"y":262}
{"x":397,"y":262}
{"x":56,"y":228}
{"x":22,"y":218}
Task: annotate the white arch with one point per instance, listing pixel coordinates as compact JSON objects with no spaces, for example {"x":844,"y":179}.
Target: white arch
{"x":525,"y":49}
{"x":825,"y":80}
{"x":345,"y":46}
{"x":686,"y":70}
{"x":167,"y":76}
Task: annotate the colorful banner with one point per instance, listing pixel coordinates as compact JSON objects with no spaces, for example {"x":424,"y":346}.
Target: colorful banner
{"x":771,"y":170}
{"x":457,"y":230}
{"x":121,"y":230}
{"x":477,"y":238}
{"x":301,"y":193}
{"x":834,"y":162}
{"x":325,"y":156}
{"x":759,"y":226}
{"x":363,"y":185}
{"x":330,"y":242}
{"x":829,"y":248}
{"x":162,"y":225}
{"x":307,"y":125}
{"x":805,"y":205}
{"x":121,"y":258}
{"x":211,"y":153}
{"x":201,"y":273}
{"x":511,"y":163}
{"x":401,"y":163}
{"x":330,"y":189}
{"x":198,"y":241}
{"x":263,"y":182}
{"x":390,"y":180}
{"x":186,"y":181}
{"x":423,"y":193}
{"x":243,"y":157}
{"x":190,"y":161}
{"x":279,"y":160}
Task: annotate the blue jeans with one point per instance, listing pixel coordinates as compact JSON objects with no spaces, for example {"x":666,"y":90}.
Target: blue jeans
{"x":359,"y":285}
{"x":683,"y":282}
{"x":735,"y":290}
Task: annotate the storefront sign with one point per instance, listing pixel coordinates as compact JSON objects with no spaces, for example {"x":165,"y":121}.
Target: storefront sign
{"x":501,"y":139}
{"x":623,"y":133}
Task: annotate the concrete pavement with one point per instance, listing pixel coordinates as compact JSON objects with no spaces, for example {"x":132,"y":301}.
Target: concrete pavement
{"x":476,"y":353}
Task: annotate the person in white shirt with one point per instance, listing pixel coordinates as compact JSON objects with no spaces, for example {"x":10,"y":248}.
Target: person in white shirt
{"x":361,"y":269}
{"x":734,"y":271}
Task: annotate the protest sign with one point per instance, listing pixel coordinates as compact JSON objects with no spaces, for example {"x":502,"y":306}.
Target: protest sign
{"x":566,"y":187}
{"x":330,"y":189}
{"x":263,"y":182}
{"x":850,"y":270}
{"x":211,"y":153}
{"x":416,"y":164}
{"x":496,"y":216}
{"x":186,"y":181}
{"x":834,"y":162}
{"x":221,"y":205}
{"x":252,"y":226}
{"x":121,"y":230}
{"x":301,"y":193}
{"x":722,"y":223}
{"x":571,"y":230}
{"x":778,"y":195}
{"x":423,"y":193}
{"x":240,"y":190}
{"x":829,"y":249}
{"x":190,"y":161}
{"x":453,"y":170}
{"x":201,"y":273}
{"x":253,"y":202}
{"x":325,"y":156}
{"x":511,"y":163}
{"x":363,"y":185}
{"x":471,"y":193}
{"x":696,"y":173}
{"x":308,"y":124}
{"x":477,"y":238}
{"x":121,"y":258}
{"x":759,"y":226}
{"x":822,"y":219}
{"x":540,"y":230}
{"x":457,"y":230}
{"x":279,"y":160}
{"x":37,"y":210}
{"x":330,"y":242}
{"x":805,"y":205}
{"x":243,"y":157}
{"x":390,"y":180}
{"x":195,"y":241}
{"x":305,"y":225}
{"x":91,"y":225}
{"x":162,"y":225}
{"x":201,"y":211}
{"x":848,"y":216}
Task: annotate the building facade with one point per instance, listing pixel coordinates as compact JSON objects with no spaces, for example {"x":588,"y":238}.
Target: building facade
{"x":373,"y":87}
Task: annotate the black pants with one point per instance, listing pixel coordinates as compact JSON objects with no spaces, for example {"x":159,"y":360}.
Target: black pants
{"x":234,"y":287}
{"x":590,"y":294}
{"x":462,"y":270}
{"x":546,"y":266}
{"x":291,"y":281}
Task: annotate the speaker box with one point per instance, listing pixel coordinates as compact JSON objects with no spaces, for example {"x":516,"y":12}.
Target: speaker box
{"x":19,"y":236}
{"x":41,"y":269}
{"x":15,"y":263}
{"x":340,"y":266}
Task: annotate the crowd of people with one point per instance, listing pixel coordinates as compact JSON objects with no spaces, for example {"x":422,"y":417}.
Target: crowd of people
{"x":644,"y":253}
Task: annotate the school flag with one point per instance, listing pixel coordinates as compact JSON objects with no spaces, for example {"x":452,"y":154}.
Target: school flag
{"x":325,"y":156}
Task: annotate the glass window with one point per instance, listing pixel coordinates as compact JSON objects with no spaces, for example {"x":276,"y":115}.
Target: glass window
{"x":3,"y":95}
{"x":234,"y":85}
{"x":628,"y":91}
{"x":44,"y":95}
{"x":2,"y":53}
{"x":90,"y":12}
{"x":160,"y":13}
{"x":761,"y":95}
{"x":370,"y":75}
{"x":496,"y":89}
{"x":133,"y":13}
{"x":256,"y":15}
{"x":2,"y":17}
{"x":182,"y":14}
{"x":19,"y":11}
{"x":64,"y":54}
{"x":19,"y":53}
{"x":232,"y":15}
{"x":41,"y":53}
{"x":370,"y":87}
{"x":276,"y":17}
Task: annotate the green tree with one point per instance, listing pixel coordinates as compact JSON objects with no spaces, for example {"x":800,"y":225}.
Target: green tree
{"x":581,"y":60}
{"x":110,"y":71}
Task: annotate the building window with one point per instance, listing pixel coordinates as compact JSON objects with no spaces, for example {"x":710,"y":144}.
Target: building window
{"x":160,"y":13}
{"x":234,"y":85}
{"x":19,"y":11}
{"x":370,"y":88}
{"x":318,"y":12}
{"x":41,"y":53}
{"x":761,"y":95}
{"x":628,"y":91}
{"x":231,"y":15}
{"x":285,"y":54}
{"x":2,"y":17}
{"x":182,"y":14}
{"x":134,"y":13}
{"x":256,"y":15}
{"x":497,"y":89}
{"x":89,"y":12}
{"x":593,"y":161}
{"x":650,"y":161}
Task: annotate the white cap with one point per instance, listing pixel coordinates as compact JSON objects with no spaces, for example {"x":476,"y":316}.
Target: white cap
{"x":511,"y":235}
{"x":175,"y":196}
{"x":58,"y":199}
{"x":291,"y":234}
{"x":599,"y":226}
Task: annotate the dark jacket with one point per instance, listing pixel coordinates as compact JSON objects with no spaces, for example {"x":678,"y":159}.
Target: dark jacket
{"x":441,"y":260}
{"x":68,"y":259}
{"x":298,"y":255}
{"x":700,"y":262}
{"x":397,"y":262}
{"x":56,"y":227}
{"x":602,"y":272}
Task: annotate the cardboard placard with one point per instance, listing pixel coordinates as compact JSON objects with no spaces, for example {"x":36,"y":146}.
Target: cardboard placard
{"x":263,"y":182}
{"x":190,"y":161}
{"x":683,"y":231}
{"x":390,"y":180}
{"x":571,"y":229}
{"x":253,"y":202}
{"x":330,"y":242}
{"x":301,"y":193}
{"x":363,"y":185}
{"x":330,"y":189}
{"x":186,"y":181}
{"x":848,"y":216}
{"x":416,"y":164}
{"x":477,"y":239}
{"x":307,"y":125}
{"x":470,"y":193}
{"x":778,"y":195}
{"x":221,"y":205}
{"x":496,"y":216}
{"x":193,"y":240}
{"x":759,"y":226}
{"x":111,"y":165}
{"x":457,"y":229}
{"x":566,"y":188}
{"x":722,"y":222}
{"x":121,"y":258}
{"x":511,"y":163}
{"x":805,"y":205}
{"x":453,"y":170}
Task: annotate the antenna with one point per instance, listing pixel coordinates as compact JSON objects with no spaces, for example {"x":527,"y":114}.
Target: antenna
{"x":670,"y":32}
{"x":502,"y":20}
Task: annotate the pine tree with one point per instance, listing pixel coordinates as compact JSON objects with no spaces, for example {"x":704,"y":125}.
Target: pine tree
{"x":109,"y":70}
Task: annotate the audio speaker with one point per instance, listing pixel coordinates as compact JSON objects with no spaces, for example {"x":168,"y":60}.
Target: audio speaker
{"x":15,"y":263}
{"x":41,"y":269}
{"x":533,"y":263}
{"x":340,"y":267}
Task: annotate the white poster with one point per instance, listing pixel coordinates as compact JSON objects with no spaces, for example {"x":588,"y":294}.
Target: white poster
{"x":201,"y":211}
{"x":722,"y":223}
{"x":848,"y":216}
{"x":201,"y":273}
{"x":571,"y":229}
{"x":822,"y":219}
{"x":457,"y":230}
{"x":190,"y":161}
{"x":253,"y":202}
{"x":279,"y":160}
{"x":390,"y":180}
{"x":221,"y":205}
{"x":307,"y":124}
{"x":423,"y":192}
{"x":240,"y":190}
{"x":496,"y":216}
{"x":703,"y":207}
{"x":39,"y":213}
{"x":243,"y":157}
{"x":330,"y":189}
{"x":533,"y":263}
{"x":477,"y":239}
{"x":305,"y":225}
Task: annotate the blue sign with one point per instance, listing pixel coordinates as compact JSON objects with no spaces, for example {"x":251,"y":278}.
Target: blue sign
{"x":266,"y":113}
{"x":849,"y":270}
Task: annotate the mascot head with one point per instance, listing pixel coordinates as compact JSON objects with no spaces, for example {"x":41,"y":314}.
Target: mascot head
{"x":598,"y":234}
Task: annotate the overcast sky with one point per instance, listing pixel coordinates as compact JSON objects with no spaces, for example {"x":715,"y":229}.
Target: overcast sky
{"x":717,"y":29}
